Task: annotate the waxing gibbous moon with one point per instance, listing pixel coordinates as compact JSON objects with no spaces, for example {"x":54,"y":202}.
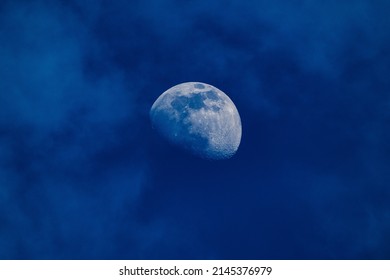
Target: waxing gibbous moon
{"x":199,"y":118}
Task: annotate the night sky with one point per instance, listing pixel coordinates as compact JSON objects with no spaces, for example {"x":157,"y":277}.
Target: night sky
{"x":83,"y":175}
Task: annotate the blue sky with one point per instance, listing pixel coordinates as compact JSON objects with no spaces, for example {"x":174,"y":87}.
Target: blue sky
{"x":84,"y":176}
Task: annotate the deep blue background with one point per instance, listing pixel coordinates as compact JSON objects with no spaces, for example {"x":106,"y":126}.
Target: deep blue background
{"x":83,"y":175}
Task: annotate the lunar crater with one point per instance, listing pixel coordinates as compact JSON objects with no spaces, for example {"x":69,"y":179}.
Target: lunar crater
{"x":199,"y":86}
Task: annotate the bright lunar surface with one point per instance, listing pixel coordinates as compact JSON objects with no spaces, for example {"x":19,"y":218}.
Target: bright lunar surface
{"x":198,"y":118}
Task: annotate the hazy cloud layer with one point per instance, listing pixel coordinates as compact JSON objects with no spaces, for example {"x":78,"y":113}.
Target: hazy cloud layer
{"x":82,"y":174}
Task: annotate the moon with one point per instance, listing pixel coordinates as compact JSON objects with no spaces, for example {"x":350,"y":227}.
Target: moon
{"x":198,"y":118}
